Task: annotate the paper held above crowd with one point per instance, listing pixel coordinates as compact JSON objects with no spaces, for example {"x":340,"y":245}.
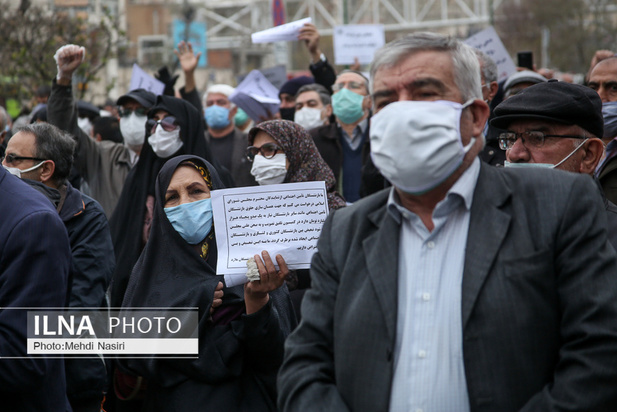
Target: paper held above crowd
{"x":284,"y":32}
{"x":276,"y":75}
{"x":142,"y":80}
{"x":256,"y":96}
{"x":282,"y":219}
{"x":359,"y":41}
{"x":488,"y":41}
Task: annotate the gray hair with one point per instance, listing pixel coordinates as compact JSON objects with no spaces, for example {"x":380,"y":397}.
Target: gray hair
{"x":324,"y":96}
{"x":465,"y":63}
{"x":4,"y":119}
{"x":585,"y":135}
{"x":53,"y":144}
{"x":488,"y":66}
{"x":365,"y":80}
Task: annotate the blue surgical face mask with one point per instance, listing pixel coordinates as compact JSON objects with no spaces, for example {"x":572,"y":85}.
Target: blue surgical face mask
{"x":193,"y":221}
{"x":217,"y":117}
{"x":609,"y":112}
{"x":347,"y":106}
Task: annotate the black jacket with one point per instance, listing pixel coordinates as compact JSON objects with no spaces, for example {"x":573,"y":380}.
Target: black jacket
{"x":327,"y":140}
{"x":34,"y":268}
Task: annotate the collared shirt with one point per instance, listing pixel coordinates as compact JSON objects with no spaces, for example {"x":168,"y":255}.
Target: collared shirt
{"x":358,"y":131}
{"x":429,"y":374}
{"x":133,"y":157}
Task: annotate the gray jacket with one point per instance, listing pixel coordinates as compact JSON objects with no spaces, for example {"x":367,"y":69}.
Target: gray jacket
{"x":104,"y":165}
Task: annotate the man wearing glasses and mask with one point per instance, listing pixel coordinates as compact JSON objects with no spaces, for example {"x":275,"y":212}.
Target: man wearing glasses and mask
{"x":344,"y":144}
{"x":555,"y":125}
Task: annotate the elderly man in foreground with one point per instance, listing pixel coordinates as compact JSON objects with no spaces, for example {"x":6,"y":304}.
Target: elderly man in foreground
{"x":464,"y":287}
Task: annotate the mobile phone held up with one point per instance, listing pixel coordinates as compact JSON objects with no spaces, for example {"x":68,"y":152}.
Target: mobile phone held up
{"x":525,"y":59}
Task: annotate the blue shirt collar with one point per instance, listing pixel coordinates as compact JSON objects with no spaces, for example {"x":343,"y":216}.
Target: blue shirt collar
{"x":463,"y":189}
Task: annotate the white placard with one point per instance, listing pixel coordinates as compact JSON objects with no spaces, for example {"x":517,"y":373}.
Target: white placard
{"x":276,"y":75}
{"x":256,"y":96}
{"x":282,"y":219}
{"x":142,"y":80}
{"x":489,"y":42}
{"x":284,"y":32}
{"x":357,"y":40}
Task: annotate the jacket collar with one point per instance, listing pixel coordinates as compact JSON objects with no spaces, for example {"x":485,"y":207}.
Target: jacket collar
{"x":381,"y":254}
{"x":381,"y":247}
{"x":484,"y":240}
{"x":73,"y":204}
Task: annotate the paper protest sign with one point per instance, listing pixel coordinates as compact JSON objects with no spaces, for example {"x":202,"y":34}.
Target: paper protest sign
{"x":357,"y":40}
{"x":276,"y":75}
{"x":256,"y":96}
{"x":282,"y":219}
{"x":142,"y":80}
{"x":489,"y":42}
{"x":284,"y":32}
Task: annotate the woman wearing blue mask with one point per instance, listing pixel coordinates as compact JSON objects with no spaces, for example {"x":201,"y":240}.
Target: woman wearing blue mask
{"x":241,"y":329}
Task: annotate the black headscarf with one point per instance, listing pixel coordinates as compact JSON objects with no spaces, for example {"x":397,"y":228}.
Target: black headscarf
{"x":127,"y":221}
{"x":171,"y":273}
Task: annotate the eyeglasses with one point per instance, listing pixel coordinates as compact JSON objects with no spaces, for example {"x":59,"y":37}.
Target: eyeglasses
{"x":168,"y":124}
{"x":10,"y":158}
{"x":532,"y":139}
{"x":140,"y":111}
{"x":350,"y":85}
{"x":267,"y":150}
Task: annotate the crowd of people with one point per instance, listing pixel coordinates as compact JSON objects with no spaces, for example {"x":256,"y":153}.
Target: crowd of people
{"x":455,"y":271}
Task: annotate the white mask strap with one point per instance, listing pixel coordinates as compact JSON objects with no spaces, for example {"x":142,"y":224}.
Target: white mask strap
{"x":571,"y":153}
{"x":33,"y":167}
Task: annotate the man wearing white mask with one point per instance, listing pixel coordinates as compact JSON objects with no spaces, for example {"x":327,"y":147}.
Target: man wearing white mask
{"x":460,"y":287}
{"x":104,"y":165}
{"x":227,"y":142}
{"x":344,"y":145}
{"x":313,"y":106}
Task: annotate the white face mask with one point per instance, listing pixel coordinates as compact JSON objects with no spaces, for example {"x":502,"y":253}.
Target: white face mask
{"x":309,"y":117}
{"x":521,"y":165}
{"x":85,"y":124}
{"x":133,"y":129}
{"x":270,"y":171}
{"x":165,"y":143}
{"x":18,"y":172}
{"x":417,"y":145}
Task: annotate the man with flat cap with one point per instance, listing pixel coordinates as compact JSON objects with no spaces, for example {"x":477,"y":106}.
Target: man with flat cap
{"x":103,"y":164}
{"x":555,"y":125}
